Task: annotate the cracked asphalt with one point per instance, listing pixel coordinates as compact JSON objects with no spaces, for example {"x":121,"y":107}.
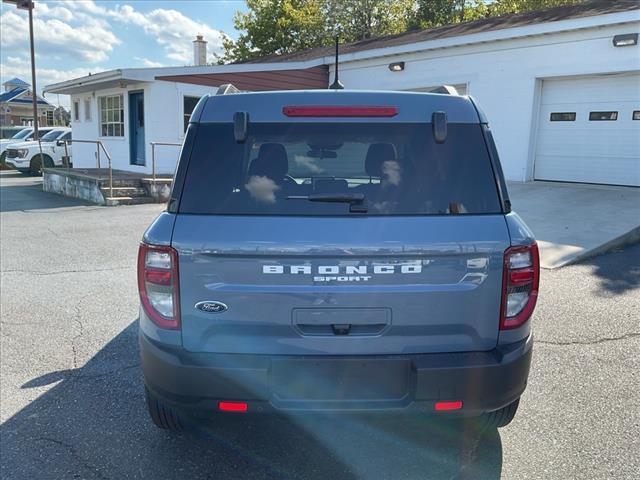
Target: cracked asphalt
{"x":71,"y":398}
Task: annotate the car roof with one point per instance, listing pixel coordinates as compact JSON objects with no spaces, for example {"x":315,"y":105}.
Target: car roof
{"x":412,"y":107}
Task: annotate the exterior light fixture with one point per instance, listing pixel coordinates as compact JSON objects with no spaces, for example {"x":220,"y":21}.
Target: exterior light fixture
{"x":396,"y":66}
{"x":626,"y":40}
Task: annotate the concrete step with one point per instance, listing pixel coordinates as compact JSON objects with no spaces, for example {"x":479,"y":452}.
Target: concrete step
{"x":124,"y":191}
{"x":113,"y":201}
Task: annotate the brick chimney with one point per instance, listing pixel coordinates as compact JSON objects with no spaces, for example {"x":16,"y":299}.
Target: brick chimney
{"x":199,"y":51}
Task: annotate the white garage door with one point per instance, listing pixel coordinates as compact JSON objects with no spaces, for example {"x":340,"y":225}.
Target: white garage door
{"x":589,"y":130}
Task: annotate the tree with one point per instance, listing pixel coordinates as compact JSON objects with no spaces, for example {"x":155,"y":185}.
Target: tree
{"x":286,"y":26}
{"x":435,"y":13}
{"x":361,"y":19}
{"x":275,"y":26}
{"x":504,"y":7}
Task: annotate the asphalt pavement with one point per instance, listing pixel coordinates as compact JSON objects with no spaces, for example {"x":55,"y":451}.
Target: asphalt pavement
{"x":72,"y":402}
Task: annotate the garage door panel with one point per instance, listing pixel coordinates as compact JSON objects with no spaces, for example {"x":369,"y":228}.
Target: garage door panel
{"x":587,"y":142}
{"x":620,"y":171}
{"x":590,"y":151}
{"x":599,"y":88}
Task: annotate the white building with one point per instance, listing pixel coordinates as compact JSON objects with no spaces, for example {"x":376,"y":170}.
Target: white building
{"x":127,"y":109}
{"x":561,"y":89}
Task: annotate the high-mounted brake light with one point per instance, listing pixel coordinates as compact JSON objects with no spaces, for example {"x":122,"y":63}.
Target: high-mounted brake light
{"x":158,"y":284}
{"x":520,"y":282}
{"x":339,"y":111}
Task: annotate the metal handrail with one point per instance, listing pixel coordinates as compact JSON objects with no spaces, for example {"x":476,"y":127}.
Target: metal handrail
{"x":153,"y":155}
{"x":99,"y":145}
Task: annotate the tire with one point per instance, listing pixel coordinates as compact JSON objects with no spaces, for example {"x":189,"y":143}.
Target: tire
{"x":500,"y":418}
{"x":162,"y":415}
{"x":35,"y":165}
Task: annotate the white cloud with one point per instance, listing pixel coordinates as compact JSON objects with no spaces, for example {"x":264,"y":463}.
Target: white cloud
{"x":57,"y":32}
{"x":148,"y":63}
{"x":171,"y":29}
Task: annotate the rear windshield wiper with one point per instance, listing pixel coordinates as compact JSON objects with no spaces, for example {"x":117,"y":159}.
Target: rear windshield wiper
{"x":355,"y":200}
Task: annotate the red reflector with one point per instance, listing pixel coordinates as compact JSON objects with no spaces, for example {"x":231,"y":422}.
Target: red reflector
{"x":524,"y":275}
{"x":339,"y":111}
{"x":159,"y":277}
{"x":233,"y":406}
{"x":444,"y":406}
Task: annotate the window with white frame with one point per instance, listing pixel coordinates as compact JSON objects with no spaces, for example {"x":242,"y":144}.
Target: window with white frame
{"x":76,"y":110}
{"x":87,"y":109}
{"x":111,"y":116}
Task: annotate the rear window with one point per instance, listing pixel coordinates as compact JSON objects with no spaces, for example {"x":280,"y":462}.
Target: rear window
{"x":391,"y":169}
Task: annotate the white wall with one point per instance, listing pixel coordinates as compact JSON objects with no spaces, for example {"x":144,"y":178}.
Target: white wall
{"x":163,"y":111}
{"x":164,"y":120}
{"x":504,"y":76}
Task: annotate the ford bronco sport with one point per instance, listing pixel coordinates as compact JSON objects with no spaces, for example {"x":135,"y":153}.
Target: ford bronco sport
{"x":337,"y":250}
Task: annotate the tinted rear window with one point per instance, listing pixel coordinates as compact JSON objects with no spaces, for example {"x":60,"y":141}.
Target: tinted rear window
{"x":398,"y":168}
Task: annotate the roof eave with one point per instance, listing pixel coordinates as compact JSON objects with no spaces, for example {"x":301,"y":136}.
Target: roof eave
{"x":106,"y":79}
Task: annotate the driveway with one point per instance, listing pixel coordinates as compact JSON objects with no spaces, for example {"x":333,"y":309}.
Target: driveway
{"x":72,"y":403}
{"x":575,"y":221}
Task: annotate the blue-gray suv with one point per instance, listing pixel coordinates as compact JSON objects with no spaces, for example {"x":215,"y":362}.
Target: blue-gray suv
{"x":337,"y":251}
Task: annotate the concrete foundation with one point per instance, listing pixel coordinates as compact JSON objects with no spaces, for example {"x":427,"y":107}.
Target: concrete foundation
{"x":92,"y":185}
{"x":70,"y":185}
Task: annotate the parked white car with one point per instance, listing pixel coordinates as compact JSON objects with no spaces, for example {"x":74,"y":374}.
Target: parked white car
{"x":22,"y":136}
{"x":25,"y":156}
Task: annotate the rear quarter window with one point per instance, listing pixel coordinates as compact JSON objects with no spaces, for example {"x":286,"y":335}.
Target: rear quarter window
{"x":397,"y":168}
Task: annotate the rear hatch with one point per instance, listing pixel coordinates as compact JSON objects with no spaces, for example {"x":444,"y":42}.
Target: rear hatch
{"x":352,"y":238}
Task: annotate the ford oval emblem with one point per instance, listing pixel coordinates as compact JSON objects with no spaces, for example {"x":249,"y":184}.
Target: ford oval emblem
{"x":211,"y":307}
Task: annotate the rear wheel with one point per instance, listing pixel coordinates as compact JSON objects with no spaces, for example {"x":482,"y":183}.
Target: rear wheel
{"x":162,"y":415}
{"x":500,"y":418}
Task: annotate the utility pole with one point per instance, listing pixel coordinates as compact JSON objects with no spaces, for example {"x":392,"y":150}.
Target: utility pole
{"x":28,"y":5}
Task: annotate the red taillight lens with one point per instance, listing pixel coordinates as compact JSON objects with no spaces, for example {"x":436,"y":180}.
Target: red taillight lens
{"x":339,"y":111}
{"x":233,"y":406}
{"x":158,"y":284}
{"x":520,"y":281}
{"x":447,"y":406}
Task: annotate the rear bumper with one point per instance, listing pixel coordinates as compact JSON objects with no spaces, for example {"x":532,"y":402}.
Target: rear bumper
{"x":484,"y":381}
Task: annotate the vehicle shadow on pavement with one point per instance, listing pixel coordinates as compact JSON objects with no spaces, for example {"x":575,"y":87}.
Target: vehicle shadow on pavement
{"x":619,"y":271}
{"x":93,"y":423}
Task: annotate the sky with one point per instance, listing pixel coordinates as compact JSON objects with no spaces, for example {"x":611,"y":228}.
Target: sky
{"x":75,"y":37}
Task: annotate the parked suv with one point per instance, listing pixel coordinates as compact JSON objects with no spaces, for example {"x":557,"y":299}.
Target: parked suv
{"x":337,"y":250}
{"x":25,"y":156}
{"x":22,"y":135}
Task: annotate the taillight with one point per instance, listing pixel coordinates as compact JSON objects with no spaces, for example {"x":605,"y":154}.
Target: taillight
{"x":521,"y":274}
{"x":158,"y":284}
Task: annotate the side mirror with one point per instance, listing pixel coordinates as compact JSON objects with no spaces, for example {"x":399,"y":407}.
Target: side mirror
{"x":60,"y":143}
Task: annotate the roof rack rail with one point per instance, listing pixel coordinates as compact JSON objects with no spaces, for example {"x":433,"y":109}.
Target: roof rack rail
{"x":445,"y":89}
{"x":227,"y":89}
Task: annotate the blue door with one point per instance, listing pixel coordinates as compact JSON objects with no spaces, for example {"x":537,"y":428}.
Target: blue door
{"x":136,"y":128}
